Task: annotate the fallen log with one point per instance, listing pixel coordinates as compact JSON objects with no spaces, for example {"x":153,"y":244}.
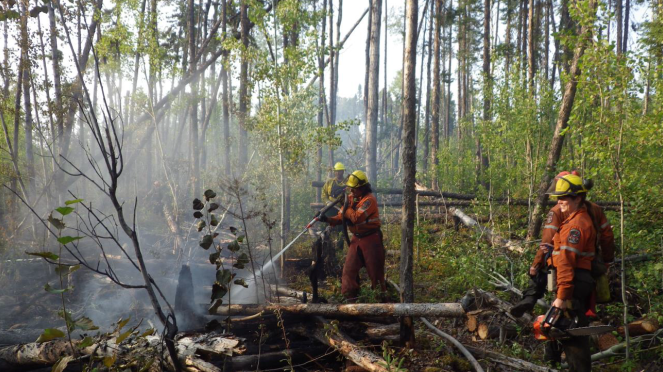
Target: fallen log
{"x":488,"y":235}
{"x":331,"y":336}
{"x":501,"y":332}
{"x":451,"y":310}
{"x":480,"y":299}
{"x":514,"y":363}
{"x":640,"y":327}
{"x":605,"y":341}
{"x":383,"y":330}
{"x":455,"y":342}
{"x":619,"y":349}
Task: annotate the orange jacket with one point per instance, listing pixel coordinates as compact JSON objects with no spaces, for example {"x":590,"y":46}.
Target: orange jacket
{"x":362,"y":214}
{"x":575,"y":244}
{"x":553,"y":222}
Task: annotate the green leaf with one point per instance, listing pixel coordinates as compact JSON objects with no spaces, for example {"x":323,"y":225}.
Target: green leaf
{"x":122,"y":322}
{"x":87,"y":341}
{"x":198,"y":205}
{"x":109,"y":361}
{"x":58,"y":224}
{"x":85,"y":324}
{"x":123,"y":336}
{"x":214,"y":257}
{"x":212,"y":207}
{"x":197,"y":214}
{"x":48,"y":255}
{"x":241,"y":282}
{"x":148,"y":332}
{"x":70,"y":202}
{"x":66,"y":269}
{"x":240,"y":238}
{"x":50,"y":289}
{"x":147,"y":366}
{"x":218,"y":291}
{"x":242,"y":260}
{"x":233,"y":246}
{"x":233,"y":230}
{"x":209,"y":194}
{"x":68,"y":239}
{"x":50,"y":334}
{"x":213,"y":221}
{"x":223,"y":276}
{"x":64,"y":210}
{"x":67,"y":319}
{"x":206,"y":242}
{"x":200,"y":225}
{"x":62,"y":363}
{"x":213,"y":308}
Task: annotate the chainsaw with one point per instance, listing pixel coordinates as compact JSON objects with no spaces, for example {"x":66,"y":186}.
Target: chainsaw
{"x":558,"y":324}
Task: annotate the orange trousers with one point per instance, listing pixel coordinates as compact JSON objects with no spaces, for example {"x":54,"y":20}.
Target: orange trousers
{"x":365,"y":252}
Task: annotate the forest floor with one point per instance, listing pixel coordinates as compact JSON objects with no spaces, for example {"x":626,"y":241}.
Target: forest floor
{"x":449,"y":262}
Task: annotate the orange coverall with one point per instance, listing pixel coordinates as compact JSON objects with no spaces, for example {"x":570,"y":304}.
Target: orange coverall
{"x":553,"y":222}
{"x":574,"y":249}
{"x":366,"y":248}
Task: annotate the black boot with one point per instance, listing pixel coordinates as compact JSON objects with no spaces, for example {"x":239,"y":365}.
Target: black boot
{"x":525,"y":305}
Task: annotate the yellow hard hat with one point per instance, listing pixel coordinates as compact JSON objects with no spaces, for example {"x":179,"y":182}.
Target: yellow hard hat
{"x":339,"y":166}
{"x":569,"y":185}
{"x":357,"y":179}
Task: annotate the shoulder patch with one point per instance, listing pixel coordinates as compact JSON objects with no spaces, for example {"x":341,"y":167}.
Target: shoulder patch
{"x":365,"y":205}
{"x":550,"y":217}
{"x":574,"y":236}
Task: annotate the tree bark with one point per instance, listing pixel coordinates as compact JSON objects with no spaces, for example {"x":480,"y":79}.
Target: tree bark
{"x":427,"y":125}
{"x":244,"y":100}
{"x":435,"y":100}
{"x":373,"y":94}
{"x":409,"y":167}
{"x":568,"y":97}
{"x":451,"y":310}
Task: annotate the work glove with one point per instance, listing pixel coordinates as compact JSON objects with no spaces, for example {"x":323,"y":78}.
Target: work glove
{"x":322,"y":218}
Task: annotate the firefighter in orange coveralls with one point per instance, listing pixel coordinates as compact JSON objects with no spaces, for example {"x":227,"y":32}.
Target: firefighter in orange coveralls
{"x":366,"y":248}
{"x":538,"y":270}
{"x":572,"y":256}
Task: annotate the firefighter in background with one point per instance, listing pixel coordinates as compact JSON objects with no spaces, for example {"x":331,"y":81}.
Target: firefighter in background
{"x":331,"y":190}
{"x":572,"y":257}
{"x":334,"y":186}
{"x":366,"y":247}
{"x":539,"y":269}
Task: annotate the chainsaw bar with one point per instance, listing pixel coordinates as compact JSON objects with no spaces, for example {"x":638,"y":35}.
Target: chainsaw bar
{"x":588,"y":331}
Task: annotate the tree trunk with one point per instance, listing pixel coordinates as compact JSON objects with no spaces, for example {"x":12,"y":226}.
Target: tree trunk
{"x":194,"y":148}
{"x":27,"y":104}
{"x":409,"y":166}
{"x":57,"y":85}
{"x":568,"y":97}
{"x":321,"y":92}
{"x":373,"y":94}
{"x":224,"y":94}
{"x":619,"y":20}
{"x":435,"y":114}
{"x":531,"y":68}
{"x":626,"y":24}
{"x":244,"y":100}
{"x":482,"y":159}
{"x":427,"y":125}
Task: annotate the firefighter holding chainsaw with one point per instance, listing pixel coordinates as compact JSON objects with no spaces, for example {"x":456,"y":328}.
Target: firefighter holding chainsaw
{"x":539,"y":269}
{"x":366,"y":249}
{"x":572,"y":256}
